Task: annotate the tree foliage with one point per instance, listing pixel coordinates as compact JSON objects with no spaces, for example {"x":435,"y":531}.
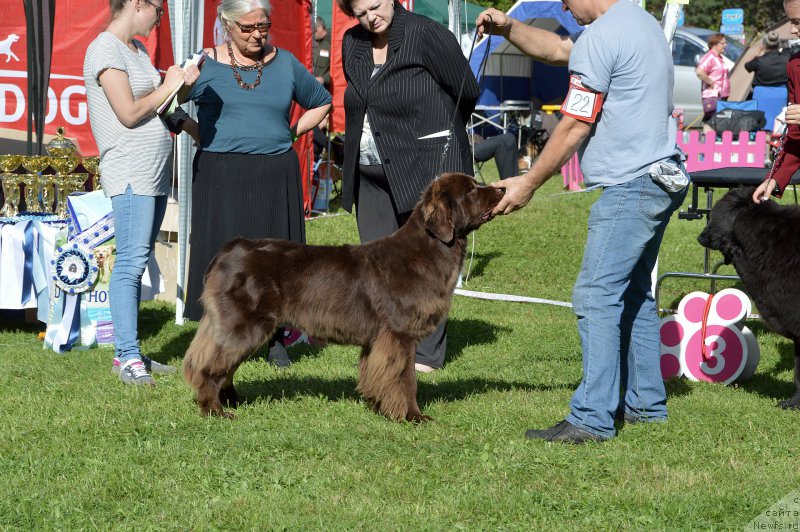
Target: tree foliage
{"x":758,"y":14}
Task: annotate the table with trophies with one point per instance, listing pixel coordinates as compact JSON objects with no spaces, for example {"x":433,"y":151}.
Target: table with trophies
{"x":34,"y":210}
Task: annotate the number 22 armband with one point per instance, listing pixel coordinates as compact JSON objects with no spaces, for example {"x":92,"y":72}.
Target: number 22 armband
{"x":581,"y":103}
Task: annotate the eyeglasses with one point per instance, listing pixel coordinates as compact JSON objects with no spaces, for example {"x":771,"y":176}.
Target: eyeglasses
{"x":262,"y":27}
{"x":159,"y":9}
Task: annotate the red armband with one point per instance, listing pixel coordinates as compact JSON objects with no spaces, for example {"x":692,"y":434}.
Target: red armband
{"x":581,"y":103}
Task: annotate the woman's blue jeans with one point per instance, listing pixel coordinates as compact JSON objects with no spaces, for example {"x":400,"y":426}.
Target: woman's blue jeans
{"x":614,"y":304}
{"x":137,"y":220}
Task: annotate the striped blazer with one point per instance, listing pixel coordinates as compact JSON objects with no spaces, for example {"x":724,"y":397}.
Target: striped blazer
{"x":413,"y":95}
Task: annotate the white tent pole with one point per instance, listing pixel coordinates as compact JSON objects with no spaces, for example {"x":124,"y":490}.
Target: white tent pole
{"x":186,"y":17}
{"x":454,"y":18}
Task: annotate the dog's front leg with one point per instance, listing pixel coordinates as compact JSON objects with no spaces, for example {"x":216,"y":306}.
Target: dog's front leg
{"x":387,"y":379}
{"x":414,"y":414}
{"x":794,"y":401}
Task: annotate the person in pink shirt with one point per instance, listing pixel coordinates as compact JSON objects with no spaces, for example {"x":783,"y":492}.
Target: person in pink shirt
{"x":714,"y":74}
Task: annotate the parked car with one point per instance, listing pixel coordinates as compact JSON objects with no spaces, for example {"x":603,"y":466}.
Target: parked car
{"x":688,"y":46}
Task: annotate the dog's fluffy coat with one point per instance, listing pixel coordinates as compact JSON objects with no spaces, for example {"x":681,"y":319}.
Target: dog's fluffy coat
{"x":762,"y":241}
{"x":384,"y":296}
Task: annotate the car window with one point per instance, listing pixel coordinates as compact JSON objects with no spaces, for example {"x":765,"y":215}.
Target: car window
{"x":685,"y":52}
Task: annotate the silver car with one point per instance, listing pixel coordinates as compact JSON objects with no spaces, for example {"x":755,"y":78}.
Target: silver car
{"x":688,"y":46}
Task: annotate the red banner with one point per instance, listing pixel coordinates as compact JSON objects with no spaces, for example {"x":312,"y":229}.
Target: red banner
{"x":77,"y":23}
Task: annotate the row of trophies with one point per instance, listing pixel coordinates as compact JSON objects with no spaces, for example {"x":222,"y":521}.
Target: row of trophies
{"x":45,"y":181}
{"x":61,"y":173}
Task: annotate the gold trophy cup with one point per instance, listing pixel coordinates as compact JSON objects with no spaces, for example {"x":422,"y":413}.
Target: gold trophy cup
{"x":63,"y":167}
{"x":92,"y":165}
{"x":33,"y":164}
{"x":9,"y":163}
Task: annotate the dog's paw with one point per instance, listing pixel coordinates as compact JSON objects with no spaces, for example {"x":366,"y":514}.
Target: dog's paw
{"x":418,"y":418}
{"x":790,"y":404}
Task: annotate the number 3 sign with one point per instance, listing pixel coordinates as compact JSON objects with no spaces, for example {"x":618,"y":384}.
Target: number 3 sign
{"x":581,"y":103}
{"x":705,"y":341}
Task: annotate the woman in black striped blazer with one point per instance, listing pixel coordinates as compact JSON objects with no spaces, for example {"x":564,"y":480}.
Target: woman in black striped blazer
{"x":404,"y":73}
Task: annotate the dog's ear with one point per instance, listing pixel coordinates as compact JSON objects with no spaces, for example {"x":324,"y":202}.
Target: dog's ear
{"x":438,"y":217}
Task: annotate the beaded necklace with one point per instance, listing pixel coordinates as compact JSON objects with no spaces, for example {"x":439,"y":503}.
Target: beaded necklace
{"x":258,"y":65}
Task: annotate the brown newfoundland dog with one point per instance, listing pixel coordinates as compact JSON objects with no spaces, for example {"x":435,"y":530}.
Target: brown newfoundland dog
{"x":762,"y":241}
{"x":384,"y":296}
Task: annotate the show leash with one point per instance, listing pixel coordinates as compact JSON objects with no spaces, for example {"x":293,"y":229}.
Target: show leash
{"x":481,"y":67}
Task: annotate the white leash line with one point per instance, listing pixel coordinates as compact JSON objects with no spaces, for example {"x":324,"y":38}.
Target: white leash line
{"x":510,"y":297}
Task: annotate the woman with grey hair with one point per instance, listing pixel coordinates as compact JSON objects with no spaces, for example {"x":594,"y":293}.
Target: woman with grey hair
{"x":246,"y":175}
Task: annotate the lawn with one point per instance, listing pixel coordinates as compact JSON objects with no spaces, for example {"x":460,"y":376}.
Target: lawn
{"x":78,"y":450}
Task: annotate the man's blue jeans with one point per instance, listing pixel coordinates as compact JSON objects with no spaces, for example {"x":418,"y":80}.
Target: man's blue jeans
{"x":614,"y":304}
{"x":137,"y":220}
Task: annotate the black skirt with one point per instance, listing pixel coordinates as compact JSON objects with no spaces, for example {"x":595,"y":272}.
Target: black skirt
{"x":240,"y":195}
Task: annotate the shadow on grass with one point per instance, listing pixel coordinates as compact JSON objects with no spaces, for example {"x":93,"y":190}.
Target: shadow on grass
{"x":465,"y":332}
{"x":344,"y":389}
{"x":479,"y":263}
{"x":677,"y":388}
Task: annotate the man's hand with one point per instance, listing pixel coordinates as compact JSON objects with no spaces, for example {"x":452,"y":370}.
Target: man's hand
{"x":519,"y":191}
{"x":499,"y":22}
{"x":764,"y":191}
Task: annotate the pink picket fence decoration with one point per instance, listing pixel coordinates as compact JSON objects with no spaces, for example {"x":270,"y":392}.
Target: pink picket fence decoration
{"x":707,"y":154}
{"x":572,"y":175}
{"x":700,"y":155}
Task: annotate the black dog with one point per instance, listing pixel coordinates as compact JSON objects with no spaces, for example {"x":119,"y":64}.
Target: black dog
{"x":762,"y":241}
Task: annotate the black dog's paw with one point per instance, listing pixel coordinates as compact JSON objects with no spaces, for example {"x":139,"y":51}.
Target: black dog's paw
{"x":791,"y":404}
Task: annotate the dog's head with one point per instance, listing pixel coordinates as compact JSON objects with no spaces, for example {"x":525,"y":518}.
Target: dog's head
{"x":13,"y":37}
{"x":454,"y":204}
{"x":718,"y":234}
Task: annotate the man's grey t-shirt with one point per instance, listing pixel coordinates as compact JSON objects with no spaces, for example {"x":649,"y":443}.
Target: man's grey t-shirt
{"x":624,"y":55}
{"x":139,"y":156}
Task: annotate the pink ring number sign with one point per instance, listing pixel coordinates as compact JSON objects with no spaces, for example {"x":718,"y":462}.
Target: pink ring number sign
{"x":731,"y":350}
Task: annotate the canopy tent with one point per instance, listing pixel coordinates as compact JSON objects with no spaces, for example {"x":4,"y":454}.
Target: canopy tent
{"x":510,"y":74}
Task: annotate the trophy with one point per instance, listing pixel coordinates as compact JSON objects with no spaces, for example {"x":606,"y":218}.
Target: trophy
{"x":92,"y":165}
{"x":63,"y":167}
{"x":33,"y":164}
{"x":9,"y":163}
{"x":47,"y":184}
{"x":60,"y":146}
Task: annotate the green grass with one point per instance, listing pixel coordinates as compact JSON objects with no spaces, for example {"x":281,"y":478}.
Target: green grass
{"x":78,"y":450}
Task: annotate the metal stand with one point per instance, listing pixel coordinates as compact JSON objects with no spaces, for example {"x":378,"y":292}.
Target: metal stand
{"x":709,"y":273}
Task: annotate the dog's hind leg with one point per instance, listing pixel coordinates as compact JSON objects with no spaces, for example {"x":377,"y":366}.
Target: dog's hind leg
{"x":794,"y":400}
{"x":384,"y":377}
{"x":209,"y":366}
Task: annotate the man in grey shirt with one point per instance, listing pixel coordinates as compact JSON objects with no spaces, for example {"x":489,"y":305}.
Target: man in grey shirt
{"x":618,"y":117}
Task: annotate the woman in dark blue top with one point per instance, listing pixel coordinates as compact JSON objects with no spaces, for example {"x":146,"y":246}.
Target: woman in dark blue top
{"x":246,"y":176}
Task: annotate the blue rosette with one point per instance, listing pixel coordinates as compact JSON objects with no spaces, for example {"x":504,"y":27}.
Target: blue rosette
{"x":74,"y":268}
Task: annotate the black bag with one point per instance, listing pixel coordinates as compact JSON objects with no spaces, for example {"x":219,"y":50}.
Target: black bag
{"x":737,"y":120}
